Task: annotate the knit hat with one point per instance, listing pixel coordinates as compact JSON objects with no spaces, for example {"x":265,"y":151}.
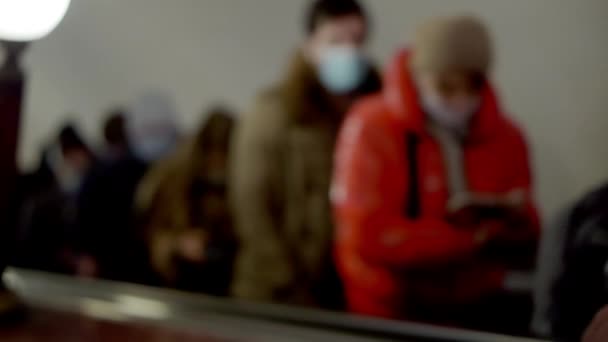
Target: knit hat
{"x":454,"y":42}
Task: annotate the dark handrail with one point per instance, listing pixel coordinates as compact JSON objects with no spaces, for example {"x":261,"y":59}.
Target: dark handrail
{"x":53,"y":291}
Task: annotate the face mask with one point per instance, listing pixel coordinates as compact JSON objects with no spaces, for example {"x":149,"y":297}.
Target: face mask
{"x":151,"y":126}
{"x":454,"y":116}
{"x":150,"y":149}
{"x":69,"y":181}
{"x":342,"y":69}
{"x":69,"y":177}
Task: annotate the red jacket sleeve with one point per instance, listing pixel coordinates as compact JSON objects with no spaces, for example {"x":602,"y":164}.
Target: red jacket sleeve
{"x":369,"y":204}
{"x":519,"y":162}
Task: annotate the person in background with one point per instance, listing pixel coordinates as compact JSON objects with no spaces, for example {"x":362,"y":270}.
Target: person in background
{"x":49,"y":208}
{"x":115,"y":135}
{"x":283,"y":160}
{"x":109,"y":243}
{"x":63,"y":163}
{"x":572,"y":277}
{"x":183,"y":208}
{"x":432,"y":188}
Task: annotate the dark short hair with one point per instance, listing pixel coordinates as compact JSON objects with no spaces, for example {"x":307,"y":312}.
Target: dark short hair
{"x":114,"y":128}
{"x":322,"y":10}
{"x":69,"y":139}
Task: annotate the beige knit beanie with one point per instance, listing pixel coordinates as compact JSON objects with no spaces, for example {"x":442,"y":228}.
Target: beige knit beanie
{"x":454,"y":42}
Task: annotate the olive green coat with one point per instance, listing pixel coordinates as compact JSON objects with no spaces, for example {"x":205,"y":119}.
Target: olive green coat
{"x":282,"y":160}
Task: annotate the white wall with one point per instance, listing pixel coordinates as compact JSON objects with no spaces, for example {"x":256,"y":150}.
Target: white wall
{"x":552,"y":68}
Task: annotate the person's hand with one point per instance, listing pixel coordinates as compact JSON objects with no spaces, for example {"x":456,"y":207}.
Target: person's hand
{"x":486,"y":232}
{"x":481,"y":236}
{"x":191,"y":245}
{"x":512,"y":200}
{"x":86,"y":266}
{"x":471,"y":209}
{"x":598,"y":330}
{"x":465,"y":217}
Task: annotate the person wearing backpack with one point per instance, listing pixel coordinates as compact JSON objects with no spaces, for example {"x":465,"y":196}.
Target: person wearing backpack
{"x":432,"y":189}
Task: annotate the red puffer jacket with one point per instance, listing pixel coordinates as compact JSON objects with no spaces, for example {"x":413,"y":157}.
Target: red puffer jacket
{"x":377,"y":245}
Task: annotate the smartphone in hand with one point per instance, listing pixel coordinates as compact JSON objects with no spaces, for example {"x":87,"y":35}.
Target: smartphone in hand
{"x":472,"y":209}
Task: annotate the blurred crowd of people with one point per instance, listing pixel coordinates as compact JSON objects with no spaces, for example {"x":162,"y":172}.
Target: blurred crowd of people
{"x":149,"y":206}
{"x":406,"y":195}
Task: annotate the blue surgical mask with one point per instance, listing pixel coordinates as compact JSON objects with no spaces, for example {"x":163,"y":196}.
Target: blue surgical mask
{"x":151,"y":149}
{"x":69,"y":180}
{"x":152,"y":127}
{"x":342,"y":69}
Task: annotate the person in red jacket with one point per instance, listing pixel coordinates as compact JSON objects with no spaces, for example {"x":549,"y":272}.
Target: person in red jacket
{"x":432,"y":186}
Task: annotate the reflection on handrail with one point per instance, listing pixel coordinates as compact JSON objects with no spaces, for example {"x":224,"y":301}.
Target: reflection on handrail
{"x":119,"y":301}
